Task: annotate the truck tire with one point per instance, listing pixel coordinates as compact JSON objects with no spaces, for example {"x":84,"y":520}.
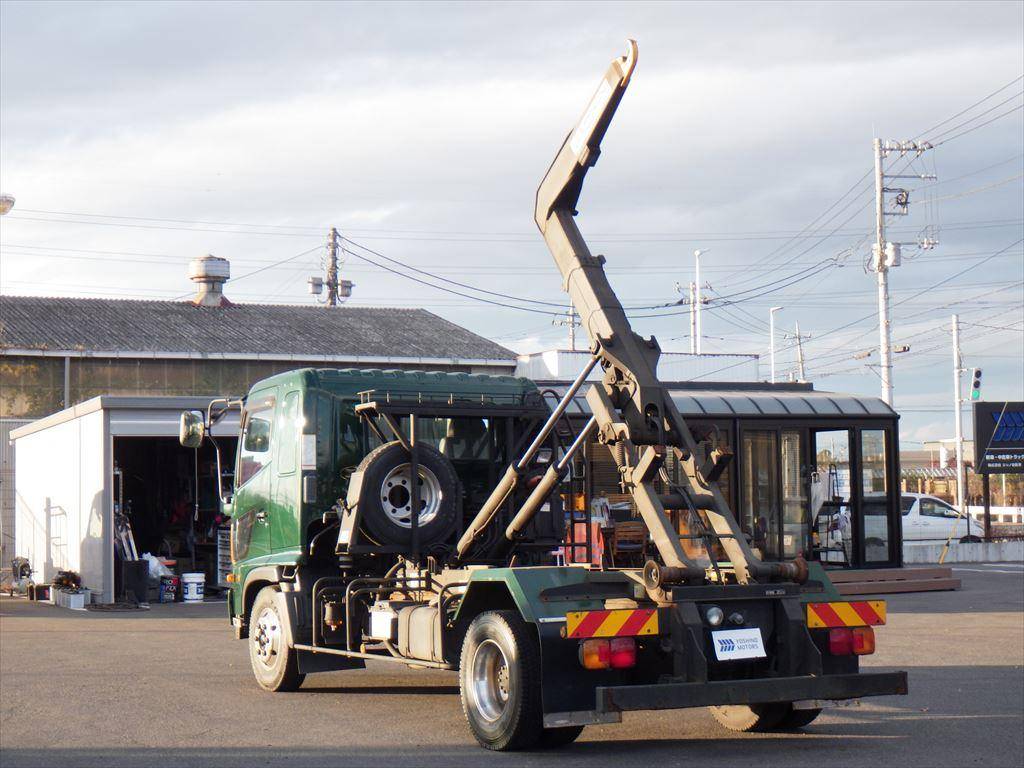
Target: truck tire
{"x":553,"y":738}
{"x":500,"y":682}
{"x":274,"y":663}
{"x":795,"y":719}
{"x":753,"y":718}
{"x":386,"y":500}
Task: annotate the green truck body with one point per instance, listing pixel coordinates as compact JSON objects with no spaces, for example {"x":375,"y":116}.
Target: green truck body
{"x":310,"y":435}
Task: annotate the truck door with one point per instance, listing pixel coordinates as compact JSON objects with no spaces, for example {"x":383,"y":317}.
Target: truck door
{"x":250,"y":527}
{"x":286,"y":509}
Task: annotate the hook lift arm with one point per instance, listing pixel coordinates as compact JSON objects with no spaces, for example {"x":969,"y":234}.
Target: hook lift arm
{"x":633,"y":412}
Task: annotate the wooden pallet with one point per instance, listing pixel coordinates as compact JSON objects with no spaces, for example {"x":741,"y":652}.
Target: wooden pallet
{"x":882,"y":581}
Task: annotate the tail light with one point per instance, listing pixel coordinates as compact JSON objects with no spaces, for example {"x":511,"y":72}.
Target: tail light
{"x":622,"y":652}
{"x":859,"y":641}
{"x":617,"y":653}
{"x":863,"y":641}
{"x":595,"y":654}
{"x":840,"y":642}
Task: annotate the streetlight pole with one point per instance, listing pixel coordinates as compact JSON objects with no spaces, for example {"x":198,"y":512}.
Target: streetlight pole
{"x":771,"y":332}
{"x":693,"y":318}
{"x":697,"y":297}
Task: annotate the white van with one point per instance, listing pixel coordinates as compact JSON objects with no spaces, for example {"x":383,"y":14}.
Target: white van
{"x":926,"y":518}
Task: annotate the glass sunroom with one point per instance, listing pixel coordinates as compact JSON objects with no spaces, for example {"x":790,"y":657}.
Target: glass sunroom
{"x":814,"y":474}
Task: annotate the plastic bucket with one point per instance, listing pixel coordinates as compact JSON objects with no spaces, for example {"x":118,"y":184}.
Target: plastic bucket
{"x":192,"y":586}
{"x":169,"y":587}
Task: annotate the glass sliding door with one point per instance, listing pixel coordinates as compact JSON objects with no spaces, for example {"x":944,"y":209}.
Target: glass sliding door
{"x":875,"y":502}
{"x":795,"y":519}
{"x":832,"y":525}
{"x":760,"y":491}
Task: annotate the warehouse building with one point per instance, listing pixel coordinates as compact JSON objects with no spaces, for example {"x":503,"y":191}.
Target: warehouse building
{"x":56,"y":353}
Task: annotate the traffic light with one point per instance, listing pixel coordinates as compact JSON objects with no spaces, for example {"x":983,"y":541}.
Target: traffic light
{"x":976,"y":384}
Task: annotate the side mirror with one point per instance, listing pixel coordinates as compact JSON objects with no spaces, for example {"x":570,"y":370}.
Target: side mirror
{"x":191,"y":429}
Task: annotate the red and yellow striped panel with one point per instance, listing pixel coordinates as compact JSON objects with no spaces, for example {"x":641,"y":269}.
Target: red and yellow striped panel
{"x":614,"y":623}
{"x":863,"y":613}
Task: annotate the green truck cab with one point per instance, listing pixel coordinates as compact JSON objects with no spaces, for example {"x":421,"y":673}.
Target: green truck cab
{"x":301,"y":440}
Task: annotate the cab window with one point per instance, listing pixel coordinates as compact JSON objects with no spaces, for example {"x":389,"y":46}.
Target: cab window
{"x":935,"y":508}
{"x":254,"y":449}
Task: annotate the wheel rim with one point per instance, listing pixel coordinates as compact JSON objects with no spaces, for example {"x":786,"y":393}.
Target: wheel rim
{"x":396,"y":495}
{"x":266,"y":635}
{"x":489,"y":680}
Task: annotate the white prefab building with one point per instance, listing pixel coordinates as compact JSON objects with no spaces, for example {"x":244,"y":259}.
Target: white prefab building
{"x":66,"y":485}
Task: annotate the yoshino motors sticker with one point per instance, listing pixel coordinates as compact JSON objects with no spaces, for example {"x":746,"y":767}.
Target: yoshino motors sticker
{"x":733,"y":644}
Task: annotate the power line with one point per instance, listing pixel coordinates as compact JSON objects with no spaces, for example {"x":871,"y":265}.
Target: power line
{"x":979,"y":125}
{"x":453,"y":282}
{"x":448,"y":290}
{"x":974,"y":117}
{"x":965,"y":110}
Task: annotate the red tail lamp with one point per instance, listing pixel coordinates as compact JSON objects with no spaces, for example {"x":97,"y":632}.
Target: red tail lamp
{"x":859,"y":641}
{"x":601,"y":653}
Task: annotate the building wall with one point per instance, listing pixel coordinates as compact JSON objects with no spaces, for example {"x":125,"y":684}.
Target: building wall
{"x":62,"y":507}
{"x":7,"y":490}
{"x":35,"y":386}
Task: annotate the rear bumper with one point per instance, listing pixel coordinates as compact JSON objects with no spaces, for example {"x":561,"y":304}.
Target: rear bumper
{"x":626,"y":698}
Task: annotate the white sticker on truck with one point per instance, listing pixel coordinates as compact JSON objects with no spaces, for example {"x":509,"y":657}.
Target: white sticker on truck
{"x":733,"y":644}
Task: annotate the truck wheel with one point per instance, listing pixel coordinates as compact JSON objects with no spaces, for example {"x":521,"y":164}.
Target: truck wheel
{"x":386,"y":498}
{"x":274,"y":663}
{"x":755,"y":718}
{"x":553,"y":738}
{"x":500,"y":682}
{"x":797,"y":718}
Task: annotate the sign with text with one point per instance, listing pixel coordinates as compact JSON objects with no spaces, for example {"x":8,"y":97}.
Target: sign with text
{"x":998,"y":438}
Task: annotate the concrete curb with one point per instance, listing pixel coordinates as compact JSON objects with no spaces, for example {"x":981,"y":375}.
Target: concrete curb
{"x":982,"y":552}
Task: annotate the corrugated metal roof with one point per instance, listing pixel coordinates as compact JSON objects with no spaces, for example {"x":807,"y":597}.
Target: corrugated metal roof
{"x":121,"y":325}
{"x":771,"y":401}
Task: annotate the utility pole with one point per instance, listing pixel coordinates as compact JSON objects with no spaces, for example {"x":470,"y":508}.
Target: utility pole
{"x":957,"y":416}
{"x":799,"y":355}
{"x":572,"y":320}
{"x":332,"y":268}
{"x":884,"y":326}
{"x":697,"y":298}
{"x":771,"y":333}
{"x":693,"y":318}
{"x":886,"y":255}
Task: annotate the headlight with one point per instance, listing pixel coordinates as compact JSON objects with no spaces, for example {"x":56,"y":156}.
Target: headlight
{"x":714,"y":615}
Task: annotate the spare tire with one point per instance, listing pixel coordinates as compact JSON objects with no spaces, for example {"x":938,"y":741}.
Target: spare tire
{"x":385,"y":499}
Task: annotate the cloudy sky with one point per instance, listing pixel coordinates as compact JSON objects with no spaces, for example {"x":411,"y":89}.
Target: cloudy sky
{"x":136,"y":136}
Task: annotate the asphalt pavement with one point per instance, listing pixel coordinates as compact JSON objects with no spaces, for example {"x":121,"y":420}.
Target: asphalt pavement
{"x":171,"y":687}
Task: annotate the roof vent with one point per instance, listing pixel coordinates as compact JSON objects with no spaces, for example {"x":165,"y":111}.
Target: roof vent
{"x":209,"y":273}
